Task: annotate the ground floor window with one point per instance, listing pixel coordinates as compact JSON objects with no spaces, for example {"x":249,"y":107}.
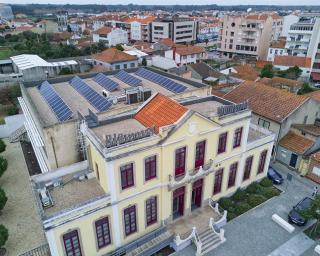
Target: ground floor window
{"x":151,"y":210}
{"x":103,"y":232}
{"x":218,"y":181}
{"x":130,"y":225}
{"x":232,"y":175}
{"x":247,"y":168}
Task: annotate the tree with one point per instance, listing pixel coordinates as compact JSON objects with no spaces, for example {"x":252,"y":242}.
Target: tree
{"x":267,"y":71}
{"x":119,"y":47}
{"x":4,"y":234}
{"x":3,"y":199}
{"x":312,"y":213}
{"x":291,"y":73}
{"x":2,"y":146}
{"x":3,"y":165}
{"x":305,"y":88}
{"x":144,"y":62}
{"x":69,"y":29}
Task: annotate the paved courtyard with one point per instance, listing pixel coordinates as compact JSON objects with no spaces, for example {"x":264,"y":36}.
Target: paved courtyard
{"x":254,"y":233}
{"x":19,"y":214}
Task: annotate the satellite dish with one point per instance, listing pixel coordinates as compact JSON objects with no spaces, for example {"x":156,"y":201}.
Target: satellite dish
{"x":249,"y":9}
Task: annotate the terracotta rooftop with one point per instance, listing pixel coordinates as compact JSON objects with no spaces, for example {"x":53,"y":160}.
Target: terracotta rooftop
{"x":103,"y":31}
{"x":167,"y":41}
{"x":112,"y":55}
{"x":308,"y":128}
{"x":296,"y":143}
{"x":160,"y":111}
{"x":190,"y":49}
{"x":316,"y":156}
{"x":314,"y":95}
{"x":142,"y":20}
{"x":272,"y":103}
{"x":278,"y":44}
{"x":290,"y":61}
{"x":245,"y":72}
{"x":262,"y":63}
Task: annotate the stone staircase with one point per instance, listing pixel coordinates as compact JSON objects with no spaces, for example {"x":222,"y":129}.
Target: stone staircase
{"x":209,"y":240}
{"x":149,"y":247}
{"x":16,"y":135}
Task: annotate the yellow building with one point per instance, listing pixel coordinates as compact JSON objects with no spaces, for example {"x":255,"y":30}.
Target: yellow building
{"x":154,"y":178}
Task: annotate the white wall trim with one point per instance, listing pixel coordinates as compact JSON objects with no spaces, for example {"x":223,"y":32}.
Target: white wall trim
{"x":52,"y":243}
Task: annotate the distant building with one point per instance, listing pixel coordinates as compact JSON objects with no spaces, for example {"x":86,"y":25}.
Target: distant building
{"x":110,"y":36}
{"x":285,"y":62}
{"x":287,"y":22}
{"x":62,"y":17}
{"x":140,"y":28}
{"x":6,"y":12}
{"x":276,"y":48}
{"x":186,"y":54}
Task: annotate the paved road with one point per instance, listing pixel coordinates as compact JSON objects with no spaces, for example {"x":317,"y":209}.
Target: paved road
{"x":255,"y":234}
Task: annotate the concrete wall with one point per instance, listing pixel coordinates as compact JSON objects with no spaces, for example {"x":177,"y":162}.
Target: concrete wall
{"x":284,"y":156}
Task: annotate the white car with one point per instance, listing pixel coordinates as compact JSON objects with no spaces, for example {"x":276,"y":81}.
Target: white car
{"x":317,"y":85}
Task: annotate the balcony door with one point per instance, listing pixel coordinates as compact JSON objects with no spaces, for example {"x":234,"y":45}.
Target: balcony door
{"x":200,"y":152}
{"x":196,"y":196}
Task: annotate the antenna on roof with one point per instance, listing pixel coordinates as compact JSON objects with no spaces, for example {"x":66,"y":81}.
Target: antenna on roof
{"x":249,"y":10}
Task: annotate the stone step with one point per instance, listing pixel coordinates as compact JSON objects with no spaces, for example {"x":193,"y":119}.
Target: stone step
{"x":211,"y":247}
{"x":210,"y":239}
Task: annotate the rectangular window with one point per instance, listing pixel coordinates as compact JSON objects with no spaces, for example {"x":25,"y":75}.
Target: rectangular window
{"x":262,"y":161}
{"x":232,"y":175}
{"x":72,"y":243}
{"x":130,"y":220}
{"x":151,"y":210}
{"x":150,"y":167}
{"x":127,"y":176}
{"x":222,"y":143}
{"x":247,"y":168}
{"x":103,"y":232}
{"x":263,"y":123}
{"x":200,"y":151}
{"x":218,"y":181}
{"x":97,"y":171}
{"x":237,"y":137}
{"x":180,"y":161}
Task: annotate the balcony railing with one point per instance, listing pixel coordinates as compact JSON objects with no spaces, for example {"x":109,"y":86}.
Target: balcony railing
{"x":191,"y":175}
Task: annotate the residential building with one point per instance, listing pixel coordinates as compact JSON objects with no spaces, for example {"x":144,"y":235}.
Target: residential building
{"x":275,"y":109}
{"x":287,"y":61}
{"x":62,"y":18}
{"x":288,"y":20}
{"x":277,"y":26}
{"x":314,"y":168}
{"x":6,"y":13}
{"x":203,"y":72}
{"x":56,"y":138}
{"x":140,"y":28}
{"x":277,"y":48}
{"x":248,"y":35}
{"x":242,"y":72}
{"x":178,"y":29}
{"x":110,"y":36}
{"x":150,"y":169}
{"x":186,"y":54}
{"x":289,"y":85}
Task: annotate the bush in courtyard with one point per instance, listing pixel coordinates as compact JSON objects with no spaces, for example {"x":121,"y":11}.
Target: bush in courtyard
{"x":253,"y":188}
{"x":265,"y":182}
{"x":269,"y":192}
{"x":3,"y":199}
{"x":12,"y":110}
{"x":231,"y":216}
{"x":3,"y":235}
{"x":2,"y":146}
{"x":225,"y":203}
{"x":3,"y":165}
{"x":239,"y":195}
{"x":242,"y":207}
{"x":255,"y":200}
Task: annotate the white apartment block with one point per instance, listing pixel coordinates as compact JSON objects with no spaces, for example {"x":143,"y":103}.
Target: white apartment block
{"x":179,"y":30}
{"x":110,"y":36}
{"x":287,"y":22}
{"x":248,"y":35}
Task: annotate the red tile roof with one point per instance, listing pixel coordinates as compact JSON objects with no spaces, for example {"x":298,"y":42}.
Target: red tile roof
{"x":316,"y":156}
{"x":167,"y":41}
{"x":245,"y":72}
{"x":103,"y":31}
{"x":289,"y":61}
{"x":188,"y":50}
{"x":272,"y":103}
{"x":314,"y":95}
{"x":262,"y":63}
{"x":113,"y":55}
{"x":296,"y":143}
{"x":160,"y":111}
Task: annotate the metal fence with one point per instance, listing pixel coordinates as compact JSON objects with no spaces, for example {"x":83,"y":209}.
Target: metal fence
{"x":42,"y":250}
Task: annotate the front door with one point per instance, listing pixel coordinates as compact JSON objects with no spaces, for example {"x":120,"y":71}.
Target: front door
{"x":293,"y":160}
{"x":196,"y":195}
{"x":178,"y":203}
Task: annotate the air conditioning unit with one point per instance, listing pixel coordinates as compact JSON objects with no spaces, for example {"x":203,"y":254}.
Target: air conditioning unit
{"x":105,"y":93}
{"x":44,"y":197}
{"x":145,"y":93}
{"x":122,"y":97}
{"x":132,"y":96}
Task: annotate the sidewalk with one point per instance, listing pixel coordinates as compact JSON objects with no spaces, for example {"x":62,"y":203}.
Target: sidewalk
{"x":20,"y":214}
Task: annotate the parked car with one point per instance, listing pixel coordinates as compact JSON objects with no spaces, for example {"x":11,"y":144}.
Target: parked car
{"x":294,"y":215}
{"x":317,"y":85}
{"x":274,"y":176}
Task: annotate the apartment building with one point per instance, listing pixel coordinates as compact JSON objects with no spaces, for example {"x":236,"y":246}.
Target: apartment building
{"x":186,"y":54}
{"x":153,"y":175}
{"x":110,"y":36}
{"x":249,"y":34}
{"x":179,"y":30}
{"x":140,"y":28}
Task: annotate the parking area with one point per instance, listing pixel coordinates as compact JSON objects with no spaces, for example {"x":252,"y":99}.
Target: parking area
{"x":254,"y":233}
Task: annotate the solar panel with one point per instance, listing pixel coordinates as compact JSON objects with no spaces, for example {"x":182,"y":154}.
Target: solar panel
{"x":98,"y":101}
{"x":58,"y":106}
{"x":127,"y":78}
{"x":106,"y":82}
{"x":161,"y":80}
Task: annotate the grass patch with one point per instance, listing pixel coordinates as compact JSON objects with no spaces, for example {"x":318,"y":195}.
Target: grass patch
{"x":245,"y":199}
{"x":5,"y":53}
{"x":2,"y":121}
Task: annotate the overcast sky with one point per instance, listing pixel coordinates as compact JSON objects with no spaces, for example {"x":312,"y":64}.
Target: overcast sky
{"x":164,"y":2}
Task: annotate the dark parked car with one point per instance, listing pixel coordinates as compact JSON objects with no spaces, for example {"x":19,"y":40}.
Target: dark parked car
{"x":294,"y":215}
{"x":274,"y":176}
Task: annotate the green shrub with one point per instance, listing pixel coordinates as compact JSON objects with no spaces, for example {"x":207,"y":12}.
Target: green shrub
{"x":231,"y":216}
{"x":253,"y":188}
{"x":3,"y":165}
{"x":12,"y":110}
{"x":225,"y":203}
{"x":2,"y":146}
{"x":242,"y":207}
{"x":239,"y":195}
{"x":255,"y":200}
{"x":269,"y":192}
{"x":3,"y":235}
{"x":3,"y":199}
{"x":265,"y":182}
{"x":2,"y":121}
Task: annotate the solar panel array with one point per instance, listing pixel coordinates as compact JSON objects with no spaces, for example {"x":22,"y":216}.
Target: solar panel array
{"x":127,"y":78}
{"x":161,"y":80}
{"x":106,"y":82}
{"x":98,"y":101}
{"x":58,"y":106}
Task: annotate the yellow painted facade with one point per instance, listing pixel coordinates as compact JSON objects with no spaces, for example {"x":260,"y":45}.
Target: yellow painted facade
{"x":192,"y":128}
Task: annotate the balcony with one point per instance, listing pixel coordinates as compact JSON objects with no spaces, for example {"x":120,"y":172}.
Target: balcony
{"x":191,"y":175}
{"x":258,"y":136}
